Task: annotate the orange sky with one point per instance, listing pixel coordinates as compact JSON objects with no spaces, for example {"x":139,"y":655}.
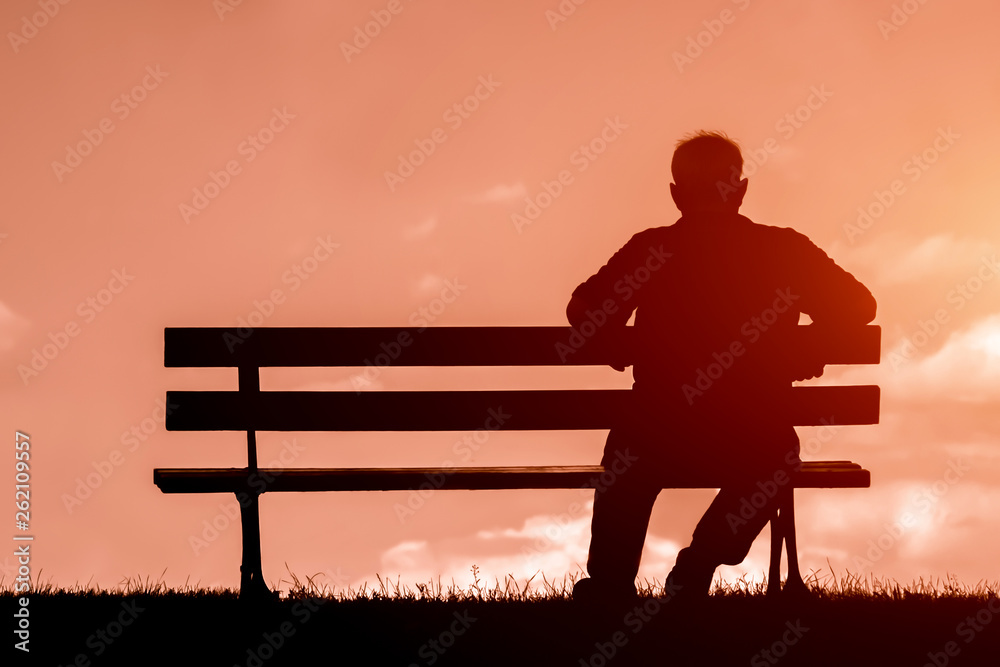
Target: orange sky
{"x":120,"y":117}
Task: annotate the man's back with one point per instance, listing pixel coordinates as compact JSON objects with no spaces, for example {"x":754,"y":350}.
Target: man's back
{"x":715,"y":297}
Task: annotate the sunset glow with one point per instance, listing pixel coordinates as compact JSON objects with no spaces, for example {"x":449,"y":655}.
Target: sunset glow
{"x":190,"y":164}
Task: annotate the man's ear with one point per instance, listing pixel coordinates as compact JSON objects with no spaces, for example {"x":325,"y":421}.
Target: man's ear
{"x":741,"y":189}
{"x":734,"y":197}
{"x":677,"y":195}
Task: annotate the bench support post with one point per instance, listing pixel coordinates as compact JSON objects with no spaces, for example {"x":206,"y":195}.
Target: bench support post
{"x":252,"y":585}
{"x":251,"y":578}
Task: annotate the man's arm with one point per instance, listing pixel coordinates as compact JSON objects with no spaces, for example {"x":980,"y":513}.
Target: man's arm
{"x":832,"y":297}
{"x":608,"y":297}
{"x":576,"y":311}
{"x":577,"y":314}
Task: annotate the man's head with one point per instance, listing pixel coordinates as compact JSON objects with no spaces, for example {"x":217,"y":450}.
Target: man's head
{"x":707,"y":169}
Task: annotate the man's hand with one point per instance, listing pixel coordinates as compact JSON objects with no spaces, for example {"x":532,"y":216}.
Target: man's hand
{"x":576,"y":313}
{"x":620,"y":364}
{"x":807,"y":372}
{"x":805,"y":367}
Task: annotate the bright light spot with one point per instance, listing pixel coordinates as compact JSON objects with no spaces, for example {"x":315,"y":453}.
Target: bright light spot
{"x":988,"y":340}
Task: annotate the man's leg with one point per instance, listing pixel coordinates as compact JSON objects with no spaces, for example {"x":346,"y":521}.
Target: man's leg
{"x":623,"y":502}
{"x":727,"y":530}
{"x":723,"y":537}
{"x":618,"y":531}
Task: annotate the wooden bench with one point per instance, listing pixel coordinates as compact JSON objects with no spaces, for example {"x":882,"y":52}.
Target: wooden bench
{"x":250,"y":409}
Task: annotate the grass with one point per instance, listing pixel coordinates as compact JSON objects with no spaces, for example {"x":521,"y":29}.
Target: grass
{"x":848,"y":620}
{"x":848,"y":586}
{"x":830,"y":586}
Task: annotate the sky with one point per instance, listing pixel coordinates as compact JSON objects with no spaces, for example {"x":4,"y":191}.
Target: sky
{"x":202,"y":163}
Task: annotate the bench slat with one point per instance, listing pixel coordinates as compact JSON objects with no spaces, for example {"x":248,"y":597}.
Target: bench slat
{"x":445,"y":346}
{"x":464,"y":410}
{"x":814,"y":474}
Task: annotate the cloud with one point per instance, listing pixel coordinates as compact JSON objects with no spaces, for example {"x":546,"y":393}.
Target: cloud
{"x":12,"y":327}
{"x":501,"y":193}
{"x":428,"y":284}
{"x":896,"y":259}
{"x":421,"y":229}
{"x":966,"y":368}
{"x":914,"y":526}
{"x":788,"y":160}
{"x":405,"y":556}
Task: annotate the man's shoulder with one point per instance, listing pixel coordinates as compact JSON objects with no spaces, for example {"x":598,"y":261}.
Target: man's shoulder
{"x":778,"y":234}
{"x":769,"y":229}
{"x":652,"y":236}
{"x":738,"y":224}
{"x":652,"y":232}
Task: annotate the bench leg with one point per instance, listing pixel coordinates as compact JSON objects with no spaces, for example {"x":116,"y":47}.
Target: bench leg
{"x":783,"y":531}
{"x":774,"y":571}
{"x":793,"y":583}
{"x":252,"y":584}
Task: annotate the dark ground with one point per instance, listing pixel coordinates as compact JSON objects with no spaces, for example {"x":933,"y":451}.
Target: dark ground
{"x":213,"y":629}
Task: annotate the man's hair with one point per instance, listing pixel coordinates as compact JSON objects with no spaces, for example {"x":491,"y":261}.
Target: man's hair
{"x":704,"y":159}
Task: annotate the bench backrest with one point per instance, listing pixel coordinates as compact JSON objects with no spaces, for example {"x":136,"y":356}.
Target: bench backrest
{"x":250,"y":409}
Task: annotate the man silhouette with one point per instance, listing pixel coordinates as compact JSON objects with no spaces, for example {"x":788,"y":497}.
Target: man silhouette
{"x":714,"y":295}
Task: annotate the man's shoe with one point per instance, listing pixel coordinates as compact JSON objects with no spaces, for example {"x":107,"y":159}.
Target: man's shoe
{"x":691,"y":577}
